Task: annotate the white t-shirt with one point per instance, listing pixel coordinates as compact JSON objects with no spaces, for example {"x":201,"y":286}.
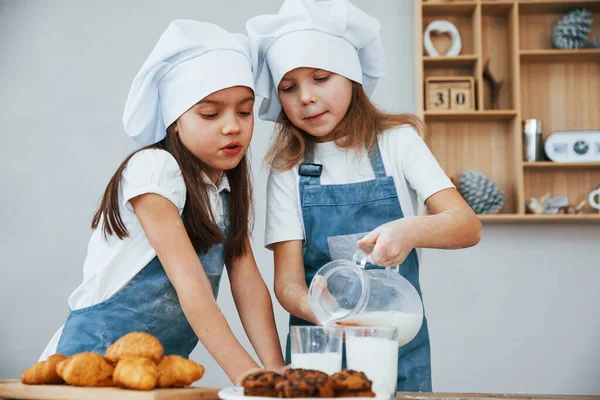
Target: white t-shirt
{"x":111,"y":263}
{"x":406,"y":157}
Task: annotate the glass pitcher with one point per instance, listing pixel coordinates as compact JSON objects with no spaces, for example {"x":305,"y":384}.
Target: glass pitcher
{"x":357,"y":293}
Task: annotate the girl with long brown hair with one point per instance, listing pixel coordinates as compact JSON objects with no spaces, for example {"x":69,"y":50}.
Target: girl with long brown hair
{"x":178,"y":210}
{"x":343,"y":173}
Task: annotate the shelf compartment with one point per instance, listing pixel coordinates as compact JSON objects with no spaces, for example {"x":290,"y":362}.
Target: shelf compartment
{"x":484,"y":146}
{"x":576,"y":184}
{"x":479,"y":116}
{"x":555,"y":55}
{"x":497,"y":51}
{"x":445,"y":9}
{"x":561,"y":165}
{"x":464,"y":22}
{"x":564,"y":96}
{"x":537,"y":24}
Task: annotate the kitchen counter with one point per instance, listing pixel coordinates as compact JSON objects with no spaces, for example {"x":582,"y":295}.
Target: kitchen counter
{"x":14,"y":389}
{"x":487,"y":396}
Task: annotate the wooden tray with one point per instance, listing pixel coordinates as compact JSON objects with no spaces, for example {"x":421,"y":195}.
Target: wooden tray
{"x":14,"y":389}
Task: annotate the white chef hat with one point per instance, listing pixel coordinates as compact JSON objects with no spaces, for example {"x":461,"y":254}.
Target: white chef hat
{"x":332,"y":35}
{"x":191,"y":60}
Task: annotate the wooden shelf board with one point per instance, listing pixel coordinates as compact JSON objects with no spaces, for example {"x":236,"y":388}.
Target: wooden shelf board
{"x":545,"y":6}
{"x":543,"y":218}
{"x":556,"y":55}
{"x":560,"y":165}
{"x":486,"y":115}
{"x":449,"y":62}
{"x":451,"y":8}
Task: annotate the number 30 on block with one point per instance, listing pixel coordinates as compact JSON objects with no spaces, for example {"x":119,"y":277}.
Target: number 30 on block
{"x":449,"y":93}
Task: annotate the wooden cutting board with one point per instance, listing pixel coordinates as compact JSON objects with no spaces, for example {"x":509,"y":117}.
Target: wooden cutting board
{"x":14,"y":389}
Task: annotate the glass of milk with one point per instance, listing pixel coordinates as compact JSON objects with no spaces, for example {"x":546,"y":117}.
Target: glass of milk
{"x":317,"y":347}
{"x":374,"y":351}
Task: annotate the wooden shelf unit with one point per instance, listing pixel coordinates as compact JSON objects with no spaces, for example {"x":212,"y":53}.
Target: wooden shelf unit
{"x":559,"y":87}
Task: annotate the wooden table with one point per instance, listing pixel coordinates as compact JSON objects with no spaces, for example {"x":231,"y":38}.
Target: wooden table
{"x":487,"y":396}
{"x":14,"y":389}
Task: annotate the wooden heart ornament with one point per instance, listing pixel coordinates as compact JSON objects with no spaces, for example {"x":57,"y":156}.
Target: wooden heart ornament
{"x":442,"y":28}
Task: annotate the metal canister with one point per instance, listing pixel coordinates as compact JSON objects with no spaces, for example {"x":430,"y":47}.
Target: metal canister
{"x":533,"y":148}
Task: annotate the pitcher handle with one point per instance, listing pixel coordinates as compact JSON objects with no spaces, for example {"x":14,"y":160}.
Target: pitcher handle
{"x":361,"y":258}
{"x":592,"y":199}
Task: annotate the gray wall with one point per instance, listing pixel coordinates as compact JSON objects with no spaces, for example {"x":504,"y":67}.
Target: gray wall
{"x":518,"y":313}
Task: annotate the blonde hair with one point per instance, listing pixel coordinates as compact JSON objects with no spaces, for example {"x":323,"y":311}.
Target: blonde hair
{"x":357,"y":130}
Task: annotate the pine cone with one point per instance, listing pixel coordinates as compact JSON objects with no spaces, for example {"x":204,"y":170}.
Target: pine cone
{"x":481,"y":193}
{"x":572,"y":30}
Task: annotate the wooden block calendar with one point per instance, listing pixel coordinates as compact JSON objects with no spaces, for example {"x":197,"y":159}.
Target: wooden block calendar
{"x":449,"y":93}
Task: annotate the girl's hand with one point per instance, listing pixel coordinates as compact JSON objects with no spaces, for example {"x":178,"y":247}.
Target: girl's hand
{"x":280,"y":370}
{"x":392,"y":242}
{"x":239,"y":381}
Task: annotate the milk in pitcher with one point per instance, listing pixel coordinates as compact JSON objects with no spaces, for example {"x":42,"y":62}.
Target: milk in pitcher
{"x":408,"y":324}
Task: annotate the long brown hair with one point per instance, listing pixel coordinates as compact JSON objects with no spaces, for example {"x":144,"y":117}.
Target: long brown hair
{"x":198,"y":219}
{"x":358,"y":129}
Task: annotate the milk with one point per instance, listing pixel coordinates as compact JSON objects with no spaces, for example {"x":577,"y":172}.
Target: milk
{"x":378,"y":359}
{"x":330,"y":363}
{"x":408,"y":324}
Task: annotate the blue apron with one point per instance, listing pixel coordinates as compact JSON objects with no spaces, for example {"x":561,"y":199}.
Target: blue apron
{"x":147,"y":303}
{"x":349,"y":209}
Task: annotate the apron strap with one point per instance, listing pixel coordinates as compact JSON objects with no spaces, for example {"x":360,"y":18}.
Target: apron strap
{"x":226,"y":223}
{"x":310,"y":173}
{"x":225,"y":200}
{"x":377,"y":163}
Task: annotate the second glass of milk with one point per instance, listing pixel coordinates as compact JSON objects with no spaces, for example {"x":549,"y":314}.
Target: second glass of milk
{"x":374,"y":351}
{"x":317,"y":347}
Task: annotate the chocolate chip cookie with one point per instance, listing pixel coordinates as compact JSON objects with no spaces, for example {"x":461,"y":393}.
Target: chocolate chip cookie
{"x":261,"y":383}
{"x":350,"y":381}
{"x":304,"y":383}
